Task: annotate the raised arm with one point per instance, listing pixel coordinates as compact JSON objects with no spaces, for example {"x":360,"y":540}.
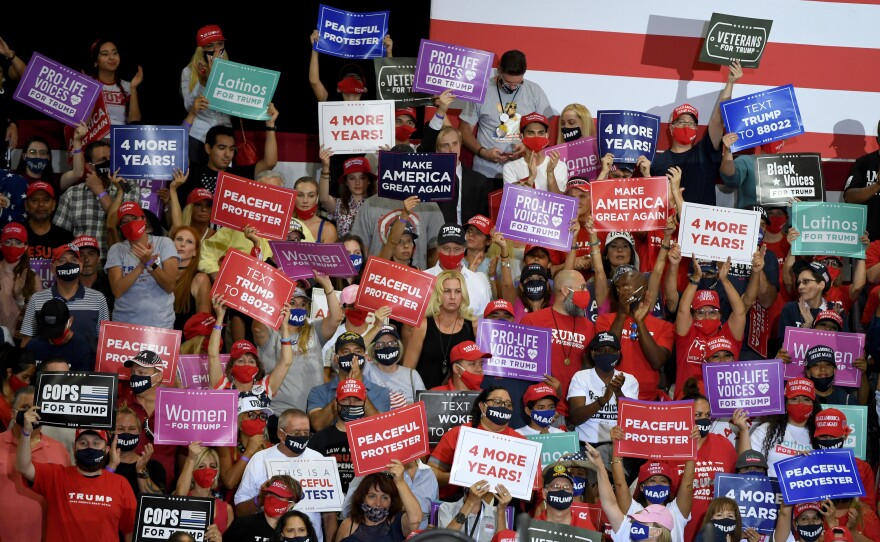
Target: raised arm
{"x":134,"y":105}
{"x":684,"y":319}
{"x":215,"y":369}
{"x":174,"y":200}
{"x":315,"y":70}
{"x":23,"y":460}
{"x":276,"y":377}
{"x":716,"y":123}
{"x":270,"y":146}
{"x":335,"y":313}
{"x":328,"y":202}
{"x":74,"y":174}
{"x":737,"y":320}
{"x":606,"y":492}
{"x":412,"y":509}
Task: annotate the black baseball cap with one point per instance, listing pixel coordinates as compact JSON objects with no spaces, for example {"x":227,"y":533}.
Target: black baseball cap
{"x":52,"y":318}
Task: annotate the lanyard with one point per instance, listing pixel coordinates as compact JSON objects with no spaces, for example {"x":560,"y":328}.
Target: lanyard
{"x":512,"y":98}
{"x":476,"y":522}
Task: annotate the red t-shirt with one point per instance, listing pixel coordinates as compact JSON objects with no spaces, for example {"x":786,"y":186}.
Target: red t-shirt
{"x":870,"y":526}
{"x":571,"y":336}
{"x":83,"y":508}
{"x":841,"y":295}
{"x":577,"y":520}
{"x":449,"y":386}
{"x":690,"y":351}
{"x":632,"y":358}
{"x":867,"y":474}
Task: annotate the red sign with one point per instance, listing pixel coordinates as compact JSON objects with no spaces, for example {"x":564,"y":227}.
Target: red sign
{"x":495,"y":204}
{"x":636,"y":204}
{"x":404,"y":289}
{"x":400,"y":434}
{"x":119,"y":342}
{"x":593,"y":512}
{"x":253,"y":287}
{"x":656,"y":430}
{"x":240,"y":202}
{"x":98,"y":127}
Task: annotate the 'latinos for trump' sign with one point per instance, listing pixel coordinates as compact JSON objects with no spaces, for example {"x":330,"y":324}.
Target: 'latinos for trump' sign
{"x":160,"y":516}
{"x":829,"y":229}
{"x":656,"y":430}
{"x":536,"y":217}
{"x":148,"y":152}
{"x":77,"y":399}
{"x":754,"y":386}
{"x":518,"y":351}
{"x":184,"y":416}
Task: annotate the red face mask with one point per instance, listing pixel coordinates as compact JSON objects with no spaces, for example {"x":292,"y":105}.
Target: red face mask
{"x":274,"y":507}
{"x":450,"y":261}
{"x":204,"y":478}
{"x":307,"y":213}
{"x":134,"y":230}
{"x":402,"y":132}
{"x":58,"y":341}
{"x":16,"y":383}
{"x":772,"y":148}
{"x":471,"y":381}
{"x":253,"y":427}
{"x":244,"y":373}
{"x":536,"y":143}
{"x":581,"y":298}
{"x":355,"y":317}
{"x":684,"y":135}
{"x":776,"y":224}
{"x":12,"y":254}
{"x":707,"y":327}
{"x":350,"y":85}
{"x":833,"y":272}
{"x":799,"y":412}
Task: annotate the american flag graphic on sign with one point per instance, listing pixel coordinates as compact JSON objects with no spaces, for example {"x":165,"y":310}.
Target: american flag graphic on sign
{"x":192,"y":519}
{"x":95,"y":394}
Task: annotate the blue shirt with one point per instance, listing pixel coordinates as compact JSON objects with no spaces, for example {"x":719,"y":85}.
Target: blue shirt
{"x":320,"y":396}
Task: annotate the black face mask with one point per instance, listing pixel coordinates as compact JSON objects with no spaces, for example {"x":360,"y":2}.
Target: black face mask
{"x":535,"y":290}
{"x":560,"y":500}
{"x":498,"y":415}
{"x":508,"y":89}
{"x":707,"y":284}
{"x":571,"y":134}
{"x":349,"y":413}
{"x":102,"y":169}
{"x":388,"y":355}
{"x":723,"y":527}
{"x":67,"y":272}
{"x":605,"y":362}
{"x":89,"y":459}
{"x":831,"y":443}
{"x":810,"y":533}
{"x":139,"y":384}
{"x":823,"y":383}
{"x":346,"y":360}
{"x":704,"y":425}
{"x":127,"y":441}
{"x":296,"y":444}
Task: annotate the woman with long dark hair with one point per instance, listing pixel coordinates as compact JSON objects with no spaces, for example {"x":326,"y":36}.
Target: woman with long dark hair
{"x":793,"y":430}
{"x":17,"y":370}
{"x":120,"y":96}
{"x":294,"y":526}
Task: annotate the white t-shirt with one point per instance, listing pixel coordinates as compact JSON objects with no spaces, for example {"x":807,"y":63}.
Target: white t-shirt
{"x":526,"y":430}
{"x":115,"y":100}
{"x":587,"y":383}
{"x":514,"y":171}
{"x":795,"y":440}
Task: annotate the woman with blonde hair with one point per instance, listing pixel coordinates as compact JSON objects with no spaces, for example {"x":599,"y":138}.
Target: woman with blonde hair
{"x":448,"y":322}
{"x":196,"y":213}
{"x":200,"y":477}
{"x":575,"y":122}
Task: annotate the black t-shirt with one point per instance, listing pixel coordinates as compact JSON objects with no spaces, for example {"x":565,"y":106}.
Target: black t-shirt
{"x":201,"y":176}
{"x":129,"y":472}
{"x":864,"y":173}
{"x":252,"y":528}
{"x":77,"y":351}
{"x":699,"y":169}
{"x":40,"y":246}
{"x":330,"y":441}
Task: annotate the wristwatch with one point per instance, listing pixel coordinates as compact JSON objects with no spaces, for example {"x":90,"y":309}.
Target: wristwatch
{"x":460,"y":518}
{"x":154,"y":266}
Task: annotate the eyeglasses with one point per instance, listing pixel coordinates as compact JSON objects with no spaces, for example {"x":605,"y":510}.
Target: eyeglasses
{"x":35,"y":152}
{"x":707,"y":312}
{"x":253,"y":415}
{"x":558,"y":487}
{"x":804,"y":282}
{"x":389,"y":344}
{"x":684,"y":124}
{"x":298,"y":433}
{"x":831,"y":263}
{"x":499,"y":403}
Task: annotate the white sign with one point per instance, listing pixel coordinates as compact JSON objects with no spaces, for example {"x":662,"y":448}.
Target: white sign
{"x":510,"y":461}
{"x":716,"y":233}
{"x":319,"y":478}
{"x":356,"y":127}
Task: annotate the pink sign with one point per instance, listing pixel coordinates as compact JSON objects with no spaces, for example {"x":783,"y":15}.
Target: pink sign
{"x":847,"y":348}
{"x":193,"y":370}
{"x":581,"y":156}
{"x":185,"y":416}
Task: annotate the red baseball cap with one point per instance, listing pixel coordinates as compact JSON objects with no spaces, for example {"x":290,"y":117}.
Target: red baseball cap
{"x":498,"y":305}
{"x":351,"y":388}
{"x":829,"y":315}
{"x":800,"y":386}
{"x":100,"y":432}
{"x":706,"y":298}
{"x":804,"y":506}
{"x":411,"y":111}
{"x":242,"y":347}
{"x":199,"y":324}
{"x":580,"y":184}
{"x":482,"y":223}
{"x":57,"y":252}
{"x":718,"y":344}
{"x":129,"y":208}
{"x":39,"y":185}
{"x":15,"y":231}
{"x":538,"y":391}
{"x":199,"y":194}
{"x":685,"y":109}
{"x":504,"y":535}
{"x":208,"y":34}
{"x":656,"y":468}
{"x":533,"y":117}
{"x":831,"y":423}
{"x":467,"y":350}
{"x":280,"y":489}
{"x":87,"y":241}
{"x":356,"y":165}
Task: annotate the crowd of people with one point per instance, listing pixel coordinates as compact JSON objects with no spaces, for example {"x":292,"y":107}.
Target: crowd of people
{"x":631,"y":317}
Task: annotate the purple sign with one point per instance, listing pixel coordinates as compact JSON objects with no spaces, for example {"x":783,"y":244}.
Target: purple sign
{"x":754,"y":386}
{"x":847,"y":347}
{"x":193,"y":370}
{"x":146,"y":193}
{"x":56,"y":90}
{"x":298,"y":259}
{"x":185,"y":416}
{"x":518,"y":351}
{"x":441,"y":66}
{"x":536,"y":217}
{"x":43,"y":269}
{"x":581,"y":156}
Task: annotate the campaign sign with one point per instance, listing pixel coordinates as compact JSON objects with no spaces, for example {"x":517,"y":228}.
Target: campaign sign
{"x":581,"y":156}
{"x":319,"y":478}
{"x":754,"y":386}
{"x":406,"y":290}
{"x":716,"y":233}
{"x":297,"y":260}
{"x":536,"y":217}
{"x":193,"y":370}
{"x":394,"y":80}
{"x":183,"y":416}
{"x":118,"y":342}
{"x":656,"y":430}
{"x":400,"y":434}
{"x":160,"y":516}
{"x":253,"y":287}
{"x":464,"y":71}
{"x":732,"y":38}
{"x":43,"y":269}
{"x":823,"y":474}
{"x":518,"y":351}
{"x":347,"y":34}
{"x":56,"y":90}
{"x":77,"y":399}
{"x":499,"y":459}
{"x":763,"y":117}
{"x":556,"y":445}
{"x":240,"y":202}
{"x":628,"y":135}
{"x":356,"y":127}
{"x":146,"y":193}
{"x":857,"y":420}
{"x":783,"y":177}
{"x":98,"y":125}
{"x":829,"y":229}
{"x":241,"y":90}
{"x":758,"y":498}
{"x":430,"y":176}
{"x":149,"y":152}
{"x":495,"y":204}
{"x":635,"y":204}
{"x":551,"y":531}
{"x":445,"y":410}
{"x":847,"y":347}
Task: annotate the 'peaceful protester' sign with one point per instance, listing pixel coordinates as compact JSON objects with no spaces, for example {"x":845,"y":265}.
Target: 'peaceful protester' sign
{"x":823,"y":474}
{"x":347,"y":34}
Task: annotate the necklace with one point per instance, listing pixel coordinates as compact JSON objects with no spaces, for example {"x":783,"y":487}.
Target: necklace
{"x":446,"y":347}
{"x":564,"y":351}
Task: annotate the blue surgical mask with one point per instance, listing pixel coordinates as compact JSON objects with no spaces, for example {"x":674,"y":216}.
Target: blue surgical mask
{"x":297,"y":317}
{"x":357,"y":261}
{"x":580,"y":485}
{"x":656,"y":494}
{"x":638,"y":531}
{"x":543,"y":418}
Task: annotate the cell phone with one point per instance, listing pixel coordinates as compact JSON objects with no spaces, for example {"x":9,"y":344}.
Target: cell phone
{"x":124,"y":185}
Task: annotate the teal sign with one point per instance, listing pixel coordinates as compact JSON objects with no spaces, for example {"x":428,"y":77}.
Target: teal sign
{"x":829,"y":229}
{"x":857,"y":420}
{"x":241,"y":90}
{"x":556,"y":445}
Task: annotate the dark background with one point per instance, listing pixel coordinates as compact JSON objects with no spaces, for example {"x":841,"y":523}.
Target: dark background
{"x":161,"y":39}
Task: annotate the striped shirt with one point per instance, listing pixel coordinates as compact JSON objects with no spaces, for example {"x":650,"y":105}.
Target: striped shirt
{"x":87,"y":307}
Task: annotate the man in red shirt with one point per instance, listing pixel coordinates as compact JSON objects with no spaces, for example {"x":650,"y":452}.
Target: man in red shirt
{"x":85,"y":502}
{"x":572,"y":330}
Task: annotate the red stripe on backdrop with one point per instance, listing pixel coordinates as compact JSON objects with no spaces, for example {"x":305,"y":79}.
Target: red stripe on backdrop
{"x":663,"y":57}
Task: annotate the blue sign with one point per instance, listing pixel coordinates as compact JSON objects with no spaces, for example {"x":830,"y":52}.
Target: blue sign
{"x":758,"y":498}
{"x":148,"y":152}
{"x":628,"y":135}
{"x":430,"y":176}
{"x":762,"y":117}
{"x":824,"y":474}
{"x":351,"y":35}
